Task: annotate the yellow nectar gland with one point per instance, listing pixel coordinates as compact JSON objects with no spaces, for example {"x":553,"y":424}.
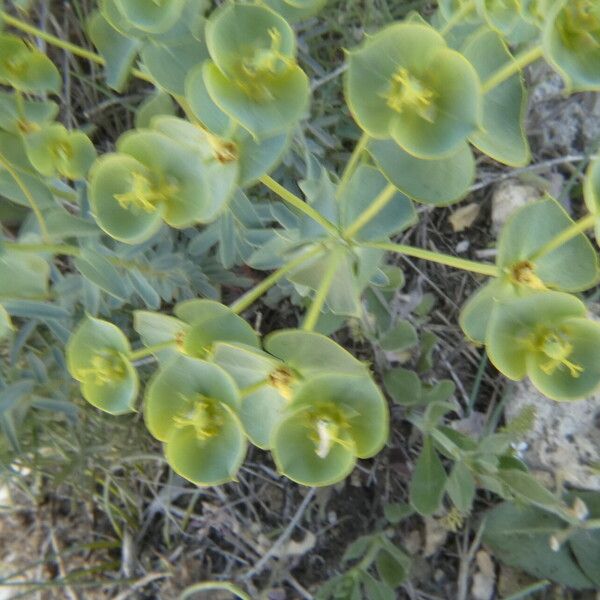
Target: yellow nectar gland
{"x":282,"y":380}
{"x":144,"y":195}
{"x":26,"y":127}
{"x":104,"y":368}
{"x":329,"y":426}
{"x":16,"y":65}
{"x":558,"y":349}
{"x":204,"y":414}
{"x":224,"y":151}
{"x":263,"y":64}
{"x":523,"y":274}
{"x":409,"y":92}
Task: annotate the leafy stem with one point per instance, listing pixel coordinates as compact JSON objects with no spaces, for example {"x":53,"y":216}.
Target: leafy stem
{"x":565,"y":235}
{"x":243,"y":302}
{"x":371,"y":211}
{"x":299,"y":204}
{"x":519,"y":62}
{"x":437,"y":257}
{"x":29,"y":197}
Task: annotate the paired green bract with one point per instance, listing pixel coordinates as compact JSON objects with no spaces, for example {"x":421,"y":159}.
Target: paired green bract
{"x":253,"y":76}
{"x":98,"y":357}
{"x":515,"y":313}
{"x":25,"y":68}
{"x":303,"y":396}
{"x":404,"y":83}
{"x":572,"y":42}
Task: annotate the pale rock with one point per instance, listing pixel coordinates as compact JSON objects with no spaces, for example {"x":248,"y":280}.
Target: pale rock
{"x":565,"y":439}
{"x":435,"y":536}
{"x":413,"y":542}
{"x":484,"y":580}
{"x":508,"y":197}
{"x":483,"y":587}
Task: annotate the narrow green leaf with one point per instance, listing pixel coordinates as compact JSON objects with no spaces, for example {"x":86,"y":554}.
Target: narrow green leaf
{"x":100,"y":271}
{"x":428,"y":480}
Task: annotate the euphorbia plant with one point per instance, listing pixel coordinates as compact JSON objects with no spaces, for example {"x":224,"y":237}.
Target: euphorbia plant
{"x":423,"y":95}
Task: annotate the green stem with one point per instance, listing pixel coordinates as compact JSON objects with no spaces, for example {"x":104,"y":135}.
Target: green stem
{"x":213,"y":585}
{"x":518,"y":63}
{"x":437,"y":257}
{"x":457,"y":17}
{"x":56,"y":41}
{"x":371,"y":211}
{"x":21,"y":184}
{"x":243,"y":302}
{"x":299,"y":204}
{"x":149,"y":350}
{"x":312,"y":316}
{"x":352,"y":163}
{"x":565,"y":235}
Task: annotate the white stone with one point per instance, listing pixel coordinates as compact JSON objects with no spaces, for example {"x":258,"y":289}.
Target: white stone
{"x":565,"y":439}
{"x":507,"y":198}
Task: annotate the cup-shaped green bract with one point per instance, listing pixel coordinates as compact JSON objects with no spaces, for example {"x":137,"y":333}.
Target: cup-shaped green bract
{"x":255,"y":157}
{"x":190,"y":405}
{"x":155,"y":328}
{"x":150,"y":179}
{"x":126,"y":198}
{"x":266,"y":386}
{"x":155,"y":16}
{"x":502,"y":134}
{"x":268,"y":380}
{"x":52,"y":149}
{"x":296,"y":10}
{"x":23,"y":275}
{"x":26,"y":68}
{"x":97,"y":356}
{"x":333,"y":419}
{"x":219,"y":157}
{"x":211,"y":322}
{"x":572,"y":42}
{"x":404,"y":83}
{"x":18,"y":115}
{"x":501,"y":15}
{"x":572,"y":267}
{"x":448,"y":8}
{"x":308,"y":353}
{"x":438,"y":182}
{"x":592,"y":193}
{"x":547,"y":337}
{"x":6,"y":325}
{"x":253,"y":76}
